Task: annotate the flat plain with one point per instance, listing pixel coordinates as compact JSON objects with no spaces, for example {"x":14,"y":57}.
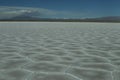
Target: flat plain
{"x":59,"y":51}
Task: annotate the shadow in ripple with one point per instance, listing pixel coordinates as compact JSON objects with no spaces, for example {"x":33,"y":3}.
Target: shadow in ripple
{"x":45,"y":67}
{"x":16,"y":74}
{"x":90,"y":74}
{"x":43,"y":76}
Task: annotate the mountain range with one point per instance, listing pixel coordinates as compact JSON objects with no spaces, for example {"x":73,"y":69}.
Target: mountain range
{"x":31,"y":18}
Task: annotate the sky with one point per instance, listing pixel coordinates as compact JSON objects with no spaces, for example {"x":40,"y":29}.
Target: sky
{"x":60,"y":8}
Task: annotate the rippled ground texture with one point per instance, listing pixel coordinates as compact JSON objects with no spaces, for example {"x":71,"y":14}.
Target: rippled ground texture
{"x":59,"y":51}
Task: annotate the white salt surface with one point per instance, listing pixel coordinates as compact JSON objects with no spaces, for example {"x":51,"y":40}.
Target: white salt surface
{"x":59,"y":51}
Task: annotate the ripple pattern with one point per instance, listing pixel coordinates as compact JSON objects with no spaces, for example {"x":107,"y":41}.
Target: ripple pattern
{"x":59,"y":51}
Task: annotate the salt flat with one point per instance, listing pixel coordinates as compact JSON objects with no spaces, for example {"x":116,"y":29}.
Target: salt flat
{"x":59,"y":51}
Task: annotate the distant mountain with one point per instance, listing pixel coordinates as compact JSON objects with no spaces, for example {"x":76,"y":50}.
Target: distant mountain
{"x":110,"y":18}
{"x":104,"y":19}
{"x":24,"y":18}
{"x":31,"y":18}
{"x":21,"y":17}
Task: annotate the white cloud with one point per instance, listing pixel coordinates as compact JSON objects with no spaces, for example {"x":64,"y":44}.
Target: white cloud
{"x":9,"y":12}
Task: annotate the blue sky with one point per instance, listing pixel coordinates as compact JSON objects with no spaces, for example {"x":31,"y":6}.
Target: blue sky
{"x":70,"y":8}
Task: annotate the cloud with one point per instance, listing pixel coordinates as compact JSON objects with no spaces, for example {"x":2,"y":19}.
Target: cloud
{"x":9,"y":12}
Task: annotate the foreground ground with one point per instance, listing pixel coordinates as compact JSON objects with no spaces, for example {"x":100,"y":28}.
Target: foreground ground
{"x":59,"y":51}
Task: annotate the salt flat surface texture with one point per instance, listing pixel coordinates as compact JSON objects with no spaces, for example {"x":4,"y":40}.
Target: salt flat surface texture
{"x":59,"y":51}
